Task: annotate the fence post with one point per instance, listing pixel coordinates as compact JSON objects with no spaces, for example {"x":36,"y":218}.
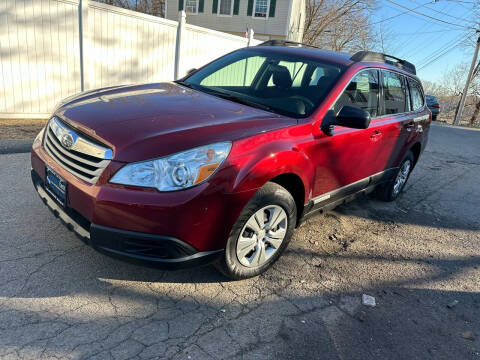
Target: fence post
{"x":250,"y":37}
{"x":178,"y":43}
{"x":83,"y":34}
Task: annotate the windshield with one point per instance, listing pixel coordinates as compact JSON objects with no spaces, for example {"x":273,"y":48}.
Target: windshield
{"x":280,"y":83}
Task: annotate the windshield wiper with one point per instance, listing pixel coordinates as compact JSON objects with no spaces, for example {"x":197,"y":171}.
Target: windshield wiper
{"x":239,"y":99}
{"x":183,"y":83}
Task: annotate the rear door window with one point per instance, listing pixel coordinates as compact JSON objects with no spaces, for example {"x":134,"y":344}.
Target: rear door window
{"x":417,"y":95}
{"x":393,"y":93}
{"x":361,"y":92}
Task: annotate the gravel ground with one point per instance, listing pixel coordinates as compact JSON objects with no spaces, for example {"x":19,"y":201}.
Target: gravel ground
{"x":416,"y":256}
{"x":20,"y":128}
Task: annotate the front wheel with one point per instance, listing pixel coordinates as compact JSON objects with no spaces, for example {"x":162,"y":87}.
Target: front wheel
{"x":391,"y":190}
{"x":260,"y":234}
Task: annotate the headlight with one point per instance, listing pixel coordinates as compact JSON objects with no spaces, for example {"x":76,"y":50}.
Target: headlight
{"x":175,"y":172}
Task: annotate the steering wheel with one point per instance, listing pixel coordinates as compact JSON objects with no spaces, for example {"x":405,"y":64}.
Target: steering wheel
{"x":305,"y":100}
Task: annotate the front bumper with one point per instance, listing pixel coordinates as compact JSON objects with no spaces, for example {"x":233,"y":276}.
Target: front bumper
{"x":146,"y":249}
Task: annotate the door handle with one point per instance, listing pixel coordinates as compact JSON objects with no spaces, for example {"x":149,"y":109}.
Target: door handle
{"x":410,"y":126}
{"x":376,"y":135}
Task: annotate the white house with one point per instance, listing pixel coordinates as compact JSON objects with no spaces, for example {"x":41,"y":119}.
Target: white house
{"x":269,"y":19}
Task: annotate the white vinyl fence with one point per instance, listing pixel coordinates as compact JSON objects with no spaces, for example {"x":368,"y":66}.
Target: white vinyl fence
{"x":50,"y":49}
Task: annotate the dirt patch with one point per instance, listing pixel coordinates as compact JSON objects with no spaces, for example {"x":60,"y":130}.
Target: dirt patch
{"x":20,"y":128}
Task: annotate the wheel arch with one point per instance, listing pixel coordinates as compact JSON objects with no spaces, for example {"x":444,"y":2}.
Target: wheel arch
{"x":416,"y":149}
{"x":288,"y":168}
{"x":295,"y":186}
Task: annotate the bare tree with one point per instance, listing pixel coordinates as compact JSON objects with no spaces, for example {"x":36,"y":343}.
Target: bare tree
{"x":151,"y":7}
{"x":450,"y":89}
{"x":339,"y":24}
{"x":475,"y":91}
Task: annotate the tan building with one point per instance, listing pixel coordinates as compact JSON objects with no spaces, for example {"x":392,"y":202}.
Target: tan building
{"x":269,"y":19}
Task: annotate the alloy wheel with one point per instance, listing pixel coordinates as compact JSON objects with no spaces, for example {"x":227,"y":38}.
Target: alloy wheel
{"x":402,"y":177}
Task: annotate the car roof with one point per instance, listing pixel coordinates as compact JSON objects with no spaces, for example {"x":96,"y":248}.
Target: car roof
{"x":312,"y":53}
{"x":337,"y":57}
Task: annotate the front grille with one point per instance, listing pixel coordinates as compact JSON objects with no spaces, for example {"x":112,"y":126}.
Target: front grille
{"x":74,"y":152}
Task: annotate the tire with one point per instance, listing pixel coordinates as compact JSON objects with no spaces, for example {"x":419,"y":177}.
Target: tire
{"x":434,"y":117}
{"x":391,"y":190}
{"x":275,"y":204}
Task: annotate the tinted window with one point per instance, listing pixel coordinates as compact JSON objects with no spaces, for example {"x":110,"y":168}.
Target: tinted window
{"x":362,"y":92}
{"x":393,"y":92}
{"x":417,"y":95}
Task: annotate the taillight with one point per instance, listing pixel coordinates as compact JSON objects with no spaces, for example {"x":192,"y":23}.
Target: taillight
{"x":436,"y":106}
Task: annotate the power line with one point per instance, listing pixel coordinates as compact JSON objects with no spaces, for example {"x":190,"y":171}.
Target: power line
{"x":389,"y":18}
{"x":430,"y":17}
{"x":445,"y":52}
{"x":426,"y":32}
{"x":405,"y":46}
{"x":402,"y":13}
{"x":439,"y":50}
{"x":443,"y":13}
{"x":432,"y":41}
{"x":463,"y":2}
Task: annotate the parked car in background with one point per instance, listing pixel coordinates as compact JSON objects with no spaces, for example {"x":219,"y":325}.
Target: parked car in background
{"x":433,"y":105}
{"x":222,"y":165}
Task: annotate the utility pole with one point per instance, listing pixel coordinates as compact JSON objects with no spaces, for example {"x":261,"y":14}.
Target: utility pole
{"x":467,"y":85}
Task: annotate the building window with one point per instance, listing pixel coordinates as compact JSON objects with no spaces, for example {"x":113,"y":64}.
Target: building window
{"x":226,"y":7}
{"x":191,"y":6}
{"x":261,"y":8}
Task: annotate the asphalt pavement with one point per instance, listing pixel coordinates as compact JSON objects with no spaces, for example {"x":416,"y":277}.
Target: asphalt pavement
{"x":419,"y":257}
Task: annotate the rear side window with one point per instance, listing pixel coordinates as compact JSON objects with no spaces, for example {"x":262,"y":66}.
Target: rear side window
{"x":393,"y":93}
{"x":417,"y":95}
{"x":362,"y":92}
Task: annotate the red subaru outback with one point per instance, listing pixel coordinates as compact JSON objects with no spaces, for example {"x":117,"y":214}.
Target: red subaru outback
{"x":222,"y":165}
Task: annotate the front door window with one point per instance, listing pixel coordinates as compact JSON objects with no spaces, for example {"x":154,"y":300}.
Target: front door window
{"x":362,"y":92}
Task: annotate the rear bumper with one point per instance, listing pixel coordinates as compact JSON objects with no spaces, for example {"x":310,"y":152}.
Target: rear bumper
{"x":146,"y":249}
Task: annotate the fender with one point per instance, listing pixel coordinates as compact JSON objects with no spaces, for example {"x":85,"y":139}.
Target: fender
{"x":258,"y":163}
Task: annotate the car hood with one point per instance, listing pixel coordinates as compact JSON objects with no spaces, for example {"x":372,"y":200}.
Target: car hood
{"x":145,"y":121}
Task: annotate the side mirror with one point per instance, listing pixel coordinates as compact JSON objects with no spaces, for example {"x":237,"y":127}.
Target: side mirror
{"x":349,"y":116}
{"x":353,"y":117}
{"x":191,"y":71}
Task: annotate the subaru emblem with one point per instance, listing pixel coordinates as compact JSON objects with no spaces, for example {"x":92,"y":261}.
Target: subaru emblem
{"x":67,"y":141}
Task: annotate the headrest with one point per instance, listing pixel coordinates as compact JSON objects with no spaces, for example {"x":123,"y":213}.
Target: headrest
{"x":324,"y":81}
{"x":281,"y":77}
{"x":352,"y":86}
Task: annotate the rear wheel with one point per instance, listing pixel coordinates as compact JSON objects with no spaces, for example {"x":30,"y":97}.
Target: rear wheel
{"x":391,"y":190}
{"x":261,"y":233}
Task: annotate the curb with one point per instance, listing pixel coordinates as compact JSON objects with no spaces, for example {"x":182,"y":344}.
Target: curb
{"x":15,"y":146}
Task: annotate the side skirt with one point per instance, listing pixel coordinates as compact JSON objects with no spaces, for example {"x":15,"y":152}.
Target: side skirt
{"x":346,"y":193}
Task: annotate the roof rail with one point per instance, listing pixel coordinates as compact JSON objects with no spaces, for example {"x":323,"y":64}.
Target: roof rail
{"x":277,"y":42}
{"x":384,"y":58}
